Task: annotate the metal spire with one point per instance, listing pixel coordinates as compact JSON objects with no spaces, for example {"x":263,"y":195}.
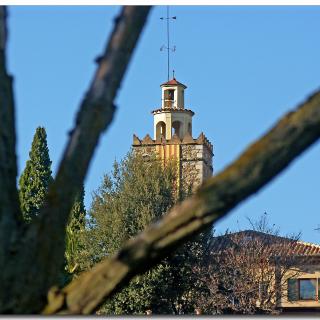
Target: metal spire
{"x":168,"y":48}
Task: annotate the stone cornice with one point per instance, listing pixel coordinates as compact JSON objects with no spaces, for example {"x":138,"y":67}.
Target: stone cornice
{"x":172,"y":110}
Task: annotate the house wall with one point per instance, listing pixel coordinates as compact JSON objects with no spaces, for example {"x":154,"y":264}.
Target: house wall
{"x":311,"y":271}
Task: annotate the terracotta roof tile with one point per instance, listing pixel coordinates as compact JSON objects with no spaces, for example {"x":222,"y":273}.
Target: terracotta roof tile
{"x":173,"y":82}
{"x":283,"y":245}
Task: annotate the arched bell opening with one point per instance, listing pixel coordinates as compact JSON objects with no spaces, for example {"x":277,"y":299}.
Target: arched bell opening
{"x":168,"y":98}
{"x":176,"y":128}
{"x":160,"y":130}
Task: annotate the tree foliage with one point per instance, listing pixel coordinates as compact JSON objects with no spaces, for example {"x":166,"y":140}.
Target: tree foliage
{"x":75,"y":228}
{"x":35,"y":179}
{"x":137,"y":193}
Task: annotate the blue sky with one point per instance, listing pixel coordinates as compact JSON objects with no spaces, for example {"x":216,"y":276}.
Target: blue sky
{"x":244,"y":67}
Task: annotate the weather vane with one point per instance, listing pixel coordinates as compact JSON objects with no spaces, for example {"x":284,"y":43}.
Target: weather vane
{"x":168,"y":48}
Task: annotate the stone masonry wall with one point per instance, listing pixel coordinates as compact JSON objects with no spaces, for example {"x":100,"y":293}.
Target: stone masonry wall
{"x":194,"y":155}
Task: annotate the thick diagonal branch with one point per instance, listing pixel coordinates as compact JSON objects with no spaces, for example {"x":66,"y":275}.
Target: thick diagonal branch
{"x":9,"y":203}
{"x":261,"y":162}
{"x":40,"y":259}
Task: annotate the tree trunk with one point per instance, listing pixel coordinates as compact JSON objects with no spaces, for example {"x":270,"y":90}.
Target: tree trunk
{"x":31,"y":257}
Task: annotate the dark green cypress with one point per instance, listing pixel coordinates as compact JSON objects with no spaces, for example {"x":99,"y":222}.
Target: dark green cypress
{"x":78,"y":212}
{"x":36,"y":177}
{"x":74,"y":229}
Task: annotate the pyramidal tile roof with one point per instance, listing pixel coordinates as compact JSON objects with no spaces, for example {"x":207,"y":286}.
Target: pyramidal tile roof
{"x":173,"y":82}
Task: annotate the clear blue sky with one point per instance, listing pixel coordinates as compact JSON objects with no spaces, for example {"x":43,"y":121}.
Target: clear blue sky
{"x":244,"y":68}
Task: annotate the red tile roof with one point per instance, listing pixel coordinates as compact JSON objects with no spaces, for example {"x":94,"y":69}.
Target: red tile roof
{"x":173,"y":82}
{"x":283,"y":246}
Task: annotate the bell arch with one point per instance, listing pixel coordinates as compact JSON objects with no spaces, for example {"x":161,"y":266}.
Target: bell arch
{"x":168,"y":98}
{"x":176,"y":128}
{"x":160,"y":130}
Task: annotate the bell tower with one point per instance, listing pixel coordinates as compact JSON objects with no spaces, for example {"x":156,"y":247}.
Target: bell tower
{"x":172,"y":139}
{"x":172,"y":118}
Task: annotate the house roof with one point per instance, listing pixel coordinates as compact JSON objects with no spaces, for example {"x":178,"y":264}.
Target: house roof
{"x":173,"y":82}
{"x":278,"y":244}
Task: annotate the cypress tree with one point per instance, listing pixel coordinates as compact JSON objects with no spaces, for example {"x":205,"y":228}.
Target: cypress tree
{"x":78,"y":212}
{"x":74,"y":229}
{"x":36,"y":177}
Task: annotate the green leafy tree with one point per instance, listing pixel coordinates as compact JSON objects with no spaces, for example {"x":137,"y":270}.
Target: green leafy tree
{"x":137,"y":193}
{"x":36,"y":177}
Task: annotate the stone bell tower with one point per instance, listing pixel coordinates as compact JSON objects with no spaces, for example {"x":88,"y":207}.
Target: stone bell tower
{"x":173,"y":137}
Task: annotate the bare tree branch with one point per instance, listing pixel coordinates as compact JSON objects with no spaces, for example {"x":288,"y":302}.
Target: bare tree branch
{"x":261,"y":162}
{"x":40,"y":257}
{"x":246,"y":270}
{"x":10,"y":215}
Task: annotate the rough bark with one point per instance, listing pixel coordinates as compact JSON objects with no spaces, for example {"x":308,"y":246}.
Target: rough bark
{"x":10,"y":216}
{"x":9,"y":209}
{"x":261,"y":162}
{"x":37,"y":260}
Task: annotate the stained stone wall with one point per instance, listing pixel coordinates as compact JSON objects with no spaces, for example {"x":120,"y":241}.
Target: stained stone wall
{"x":145,"y":150}
{"x":194,"y":156}
{"x":196,"y":164}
